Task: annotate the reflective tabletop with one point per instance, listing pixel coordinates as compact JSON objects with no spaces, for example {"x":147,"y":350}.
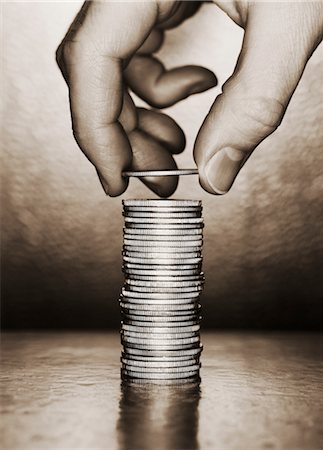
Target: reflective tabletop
{"x":258,"y":391}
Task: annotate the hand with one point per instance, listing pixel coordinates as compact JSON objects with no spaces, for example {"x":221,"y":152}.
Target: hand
{"x":109,"y":48}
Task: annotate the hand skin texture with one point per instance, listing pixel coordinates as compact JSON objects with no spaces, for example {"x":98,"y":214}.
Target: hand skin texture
{"x":109,"y":51}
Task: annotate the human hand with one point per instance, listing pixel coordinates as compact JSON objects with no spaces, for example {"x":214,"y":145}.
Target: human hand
{"x":109,"y":48}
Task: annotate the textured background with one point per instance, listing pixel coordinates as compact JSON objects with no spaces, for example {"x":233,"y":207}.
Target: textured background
{"x":61,"y":237}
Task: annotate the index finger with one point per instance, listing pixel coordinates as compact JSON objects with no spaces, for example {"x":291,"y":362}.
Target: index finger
{"x":93,"y":60}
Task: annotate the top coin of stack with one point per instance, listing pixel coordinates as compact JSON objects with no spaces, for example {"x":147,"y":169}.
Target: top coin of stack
{"x":160,"y":298}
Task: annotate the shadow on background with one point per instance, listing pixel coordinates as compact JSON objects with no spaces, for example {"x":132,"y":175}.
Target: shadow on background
{"x":158,"y":417}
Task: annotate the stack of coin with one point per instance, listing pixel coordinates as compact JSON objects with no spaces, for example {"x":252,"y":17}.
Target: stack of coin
{"x":160,"y":329}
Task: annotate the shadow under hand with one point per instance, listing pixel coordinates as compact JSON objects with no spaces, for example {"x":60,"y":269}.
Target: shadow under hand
{"x":159,"y":417}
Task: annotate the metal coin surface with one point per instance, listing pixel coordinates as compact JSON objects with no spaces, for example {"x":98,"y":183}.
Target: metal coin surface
{"x":133,"y":234}
{"x":156,"y":267}
{"x":155,"y":319}
{"x":161,"y":369}
{"x":160,"y":283}
{"x":163,"y":273}
{"x":161,"y":296}
{"x":159,"y":173}
{"x":172,"y":254}
{"x":160,"y":336}
{"x":182,"y":215}
{"x":162,"y":210}
{"x":164,"y":290}
{"x":159,"y":324}
{"x":183,"y":353}
{"x":164,"y":358}
{"x":160,"y":329}
{"x":160,"y":376}
{"x":157,"y":307}
{"x":162,"y":202}
{"x":152,"y":243}
{"x":162,"y":261}
{"x":160,"y":249}
{"x":159,"y":364}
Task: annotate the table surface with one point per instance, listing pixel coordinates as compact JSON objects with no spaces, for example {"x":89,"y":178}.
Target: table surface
{"x":258,"y":391}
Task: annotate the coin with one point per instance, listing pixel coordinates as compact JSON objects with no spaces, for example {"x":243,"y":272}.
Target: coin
{"x":153,"y":353}
{"x":176,"y":214}
{"x":143,"y":235}
{"x":151,"y":254}
{"x":163,"y":209}
{"x":168,"y":244}
{"x":165,"y":358}
{"x":183,"y":267}
{"x":159,"y":173}
{"x":163,"y":274}
{"x":158,"y":249}
{"x":160,"y":376}
{"x":130,"y":317}
{"x":159,"y":364}
{"x":154,"y":346}
{"x":159,"y":324}
{"x":176,"y":283}
{"x":159,"y":329}
{"x":162,"y":261}
{"x":162,"y":202}
{"x":161,"y":369}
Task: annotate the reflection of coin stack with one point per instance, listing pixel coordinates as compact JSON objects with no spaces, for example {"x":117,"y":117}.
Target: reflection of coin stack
{"x":160,"y":299}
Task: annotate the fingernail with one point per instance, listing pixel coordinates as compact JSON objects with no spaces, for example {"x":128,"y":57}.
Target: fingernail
{"x":223,"y":167}
{"x":104,"y":184}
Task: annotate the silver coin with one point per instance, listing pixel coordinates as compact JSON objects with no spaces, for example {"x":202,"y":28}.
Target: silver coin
{"x":161,"y":304}
{"x":159,"y":339}
{"x":158,"y":347}
{"x":164,"y":309}
{"x":146,"y":262}
{"x":168,"y":244}
{"x":163,"y":358}
{"x":161,"y":249}
{"x":142,"y":335}
{"x":162,"y":202}
{"x":155,"y":237}
{"x":183,"y":267}
{"x":163,"y":226}
{"x":129,"y":317}
{"x":160,"y":296}
{"x":161,"y":253}
{"x":161,"y":369}
{"x":165,"y":278}
{"x":159,"y":173}
{"x":185,"y":274}
{"x":158,"y":307}
{"x":163,"y":284}
{"x":163,"y":290}
{"x":145,"y":353}
{"x":166,"y":232}
{"x":147,"y":215}
{"x":159,"y":364}
{"x":162,"y":209}
{"x":151,"y":311}
{"x":161,"y":376}
{"x":164,"y":220}
{"x":159,"y":324}
{"x":160,"y":329}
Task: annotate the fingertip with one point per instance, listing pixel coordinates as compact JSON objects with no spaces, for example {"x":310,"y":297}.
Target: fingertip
{"x":162,"y":186}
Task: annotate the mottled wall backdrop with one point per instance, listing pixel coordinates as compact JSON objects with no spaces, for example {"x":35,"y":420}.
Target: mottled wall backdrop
{"x":62,"y":237}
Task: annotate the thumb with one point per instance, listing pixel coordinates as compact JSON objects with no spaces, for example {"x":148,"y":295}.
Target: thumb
{"x":278,"y":41}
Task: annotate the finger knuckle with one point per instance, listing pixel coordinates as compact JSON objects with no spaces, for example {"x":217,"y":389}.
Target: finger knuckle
{"x":256,"y":117}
